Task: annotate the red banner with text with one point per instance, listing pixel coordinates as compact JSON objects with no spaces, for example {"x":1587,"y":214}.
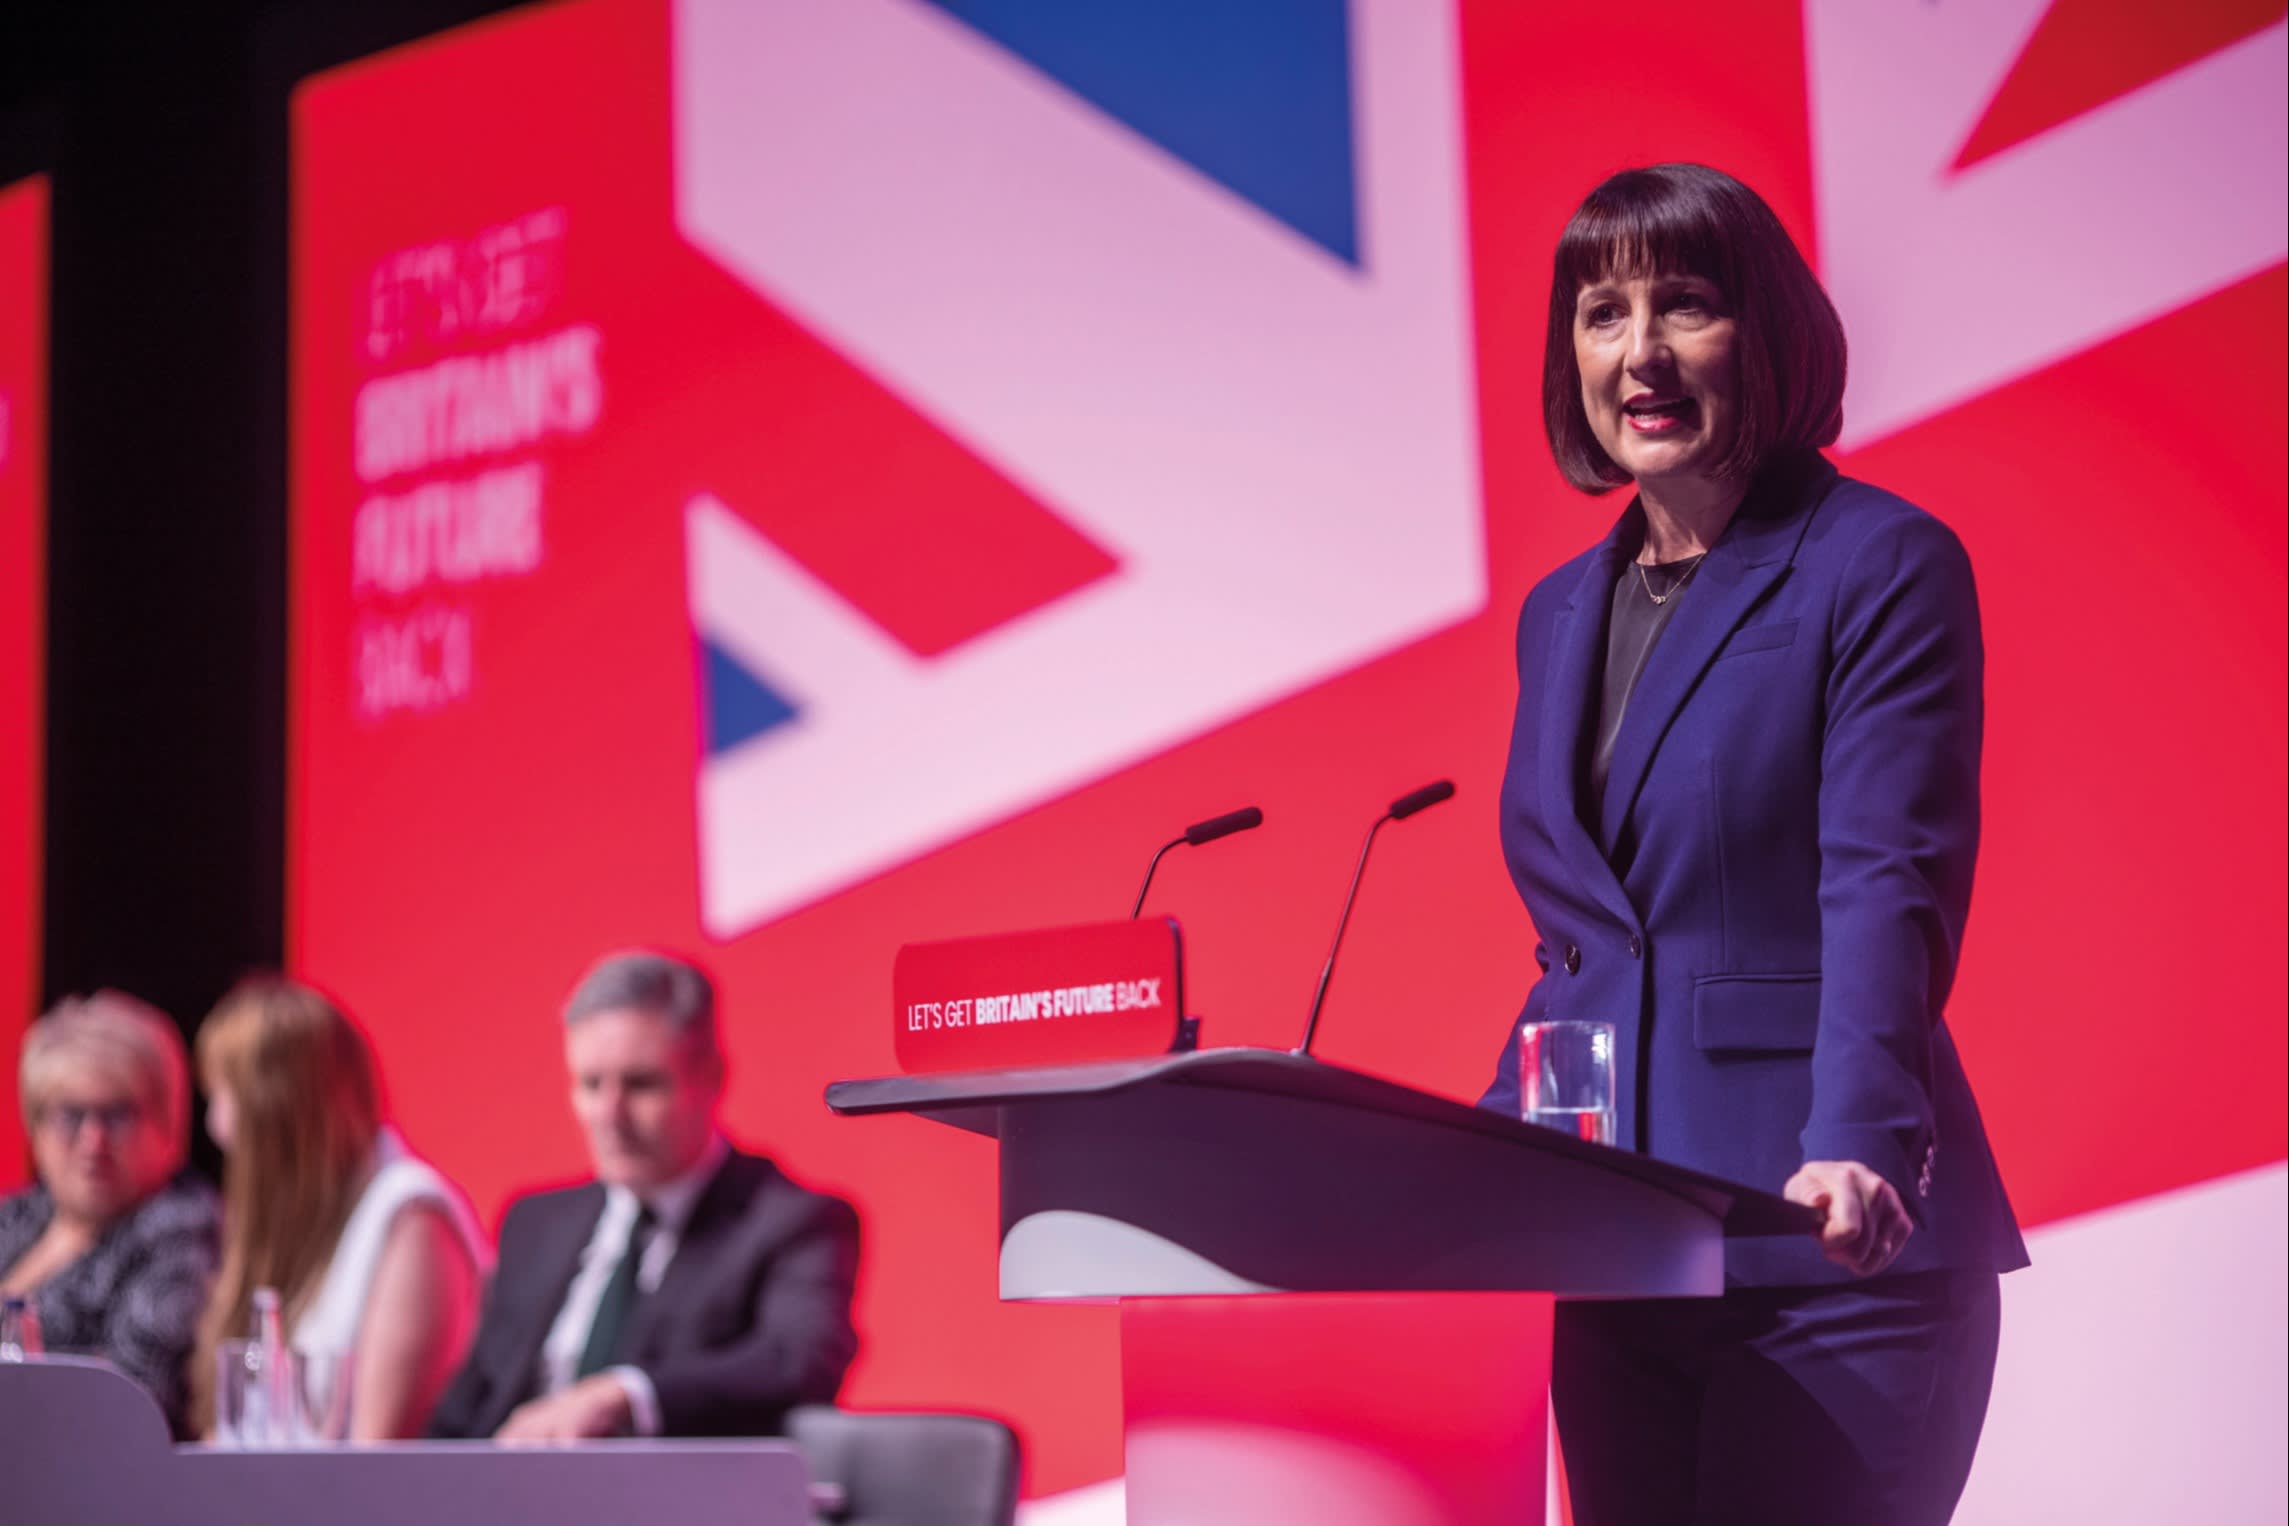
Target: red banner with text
{"x":1054,"y":996}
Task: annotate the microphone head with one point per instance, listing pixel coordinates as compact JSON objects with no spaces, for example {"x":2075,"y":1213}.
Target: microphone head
{"x":1421,"y":800}
{"x":1223,"y":826}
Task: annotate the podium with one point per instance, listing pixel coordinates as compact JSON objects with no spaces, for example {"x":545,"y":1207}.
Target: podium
{"x":1166,"y":1180}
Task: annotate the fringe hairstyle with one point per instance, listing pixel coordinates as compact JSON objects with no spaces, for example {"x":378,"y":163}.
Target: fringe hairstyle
{"x":1692,"y":220}
{"x":307,"y":1110}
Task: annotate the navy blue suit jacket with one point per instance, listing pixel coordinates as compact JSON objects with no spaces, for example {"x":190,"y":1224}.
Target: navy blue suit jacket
{"x":1769,"y":905}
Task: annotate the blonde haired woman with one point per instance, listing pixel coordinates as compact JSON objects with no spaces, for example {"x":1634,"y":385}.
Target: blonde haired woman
{"x":373,"y":1254}
{"x":115,"y":1245}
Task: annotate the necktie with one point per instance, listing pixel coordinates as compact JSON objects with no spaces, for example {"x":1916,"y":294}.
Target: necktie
{"x":620,"y":1295}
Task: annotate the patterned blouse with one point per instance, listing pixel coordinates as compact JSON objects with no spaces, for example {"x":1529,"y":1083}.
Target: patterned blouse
{"x":136,"y":1297}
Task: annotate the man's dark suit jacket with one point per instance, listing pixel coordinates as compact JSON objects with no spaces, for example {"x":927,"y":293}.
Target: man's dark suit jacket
{"x":751,"y":1318}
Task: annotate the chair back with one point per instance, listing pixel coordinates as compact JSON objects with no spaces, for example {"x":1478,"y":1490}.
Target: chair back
{"x":925,"y":1469}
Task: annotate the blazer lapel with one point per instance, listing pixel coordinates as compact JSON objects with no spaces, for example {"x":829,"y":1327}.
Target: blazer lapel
{"x":556,"y":1259}
{"x":719,"y":1208}
{"x":1577,"y":656}
{"x":1749,"y":558}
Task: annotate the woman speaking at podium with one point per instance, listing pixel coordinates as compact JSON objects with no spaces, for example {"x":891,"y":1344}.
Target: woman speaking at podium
{"x":1742,"y":807}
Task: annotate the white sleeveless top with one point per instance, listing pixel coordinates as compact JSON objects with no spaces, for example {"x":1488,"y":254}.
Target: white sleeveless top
{"x":400,"y":1180}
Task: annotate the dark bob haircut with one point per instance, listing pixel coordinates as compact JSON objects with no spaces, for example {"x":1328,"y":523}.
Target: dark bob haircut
{"x":1688,"y":219}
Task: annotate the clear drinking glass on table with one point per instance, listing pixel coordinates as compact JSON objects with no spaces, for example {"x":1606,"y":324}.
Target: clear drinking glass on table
{"x":321,"y":1395}
{"x":302,"y":1400}
{"x":251,"y":1396}
{"x":1565,"y":1078}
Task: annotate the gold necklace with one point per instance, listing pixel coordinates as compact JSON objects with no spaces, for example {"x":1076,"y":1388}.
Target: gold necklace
{"x":1674,"y":588}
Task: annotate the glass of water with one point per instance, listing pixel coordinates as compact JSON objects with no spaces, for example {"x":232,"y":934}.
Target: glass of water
{"x":255,"y":1396}
{"x":322,"y":1390}
{"x":302,"y":1400}
{"x":1565,"y":1078}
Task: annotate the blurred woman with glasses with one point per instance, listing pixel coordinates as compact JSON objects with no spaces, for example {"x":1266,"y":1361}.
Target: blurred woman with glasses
{"x":115,"y":1246}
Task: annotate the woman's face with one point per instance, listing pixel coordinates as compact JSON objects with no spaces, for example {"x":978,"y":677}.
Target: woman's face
{"x":99,"y":1147}
{"x":1660,"y":379}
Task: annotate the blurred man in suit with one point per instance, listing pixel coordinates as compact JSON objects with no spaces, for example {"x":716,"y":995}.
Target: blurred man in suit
{"x":691,"y":1289}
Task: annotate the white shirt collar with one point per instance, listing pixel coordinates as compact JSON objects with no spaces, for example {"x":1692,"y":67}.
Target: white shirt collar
{"x":673,"y":1201}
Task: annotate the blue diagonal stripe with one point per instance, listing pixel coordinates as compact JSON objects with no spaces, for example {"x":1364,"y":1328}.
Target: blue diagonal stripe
{"x":1255,"y":94}
{"x":738,"y":705}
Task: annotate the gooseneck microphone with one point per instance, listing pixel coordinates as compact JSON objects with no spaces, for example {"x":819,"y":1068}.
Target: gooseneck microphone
{"x":1403,"y":807}
{"x":1242,"y":820}
{"x":1419,"y":800}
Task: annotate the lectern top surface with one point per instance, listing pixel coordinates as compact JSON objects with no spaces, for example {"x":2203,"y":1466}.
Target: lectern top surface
{"x":975,"y":1100}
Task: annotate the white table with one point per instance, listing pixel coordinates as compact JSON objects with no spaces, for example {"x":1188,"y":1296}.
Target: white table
{"x":80,"y":1442}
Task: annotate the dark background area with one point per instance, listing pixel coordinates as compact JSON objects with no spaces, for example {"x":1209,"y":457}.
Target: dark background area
{"x":163,"y":129}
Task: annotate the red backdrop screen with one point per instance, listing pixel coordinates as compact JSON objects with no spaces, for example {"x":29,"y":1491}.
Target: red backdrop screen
{"x":23,"y":578}
{"x":781,"y":481}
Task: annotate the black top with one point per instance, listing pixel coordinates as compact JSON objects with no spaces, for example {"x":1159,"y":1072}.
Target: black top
{"x":1637,"y":622}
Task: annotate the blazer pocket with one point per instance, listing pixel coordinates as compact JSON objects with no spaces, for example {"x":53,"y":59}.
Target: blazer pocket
{"x":1759,"y":638}
{"x":1756,"y":1014}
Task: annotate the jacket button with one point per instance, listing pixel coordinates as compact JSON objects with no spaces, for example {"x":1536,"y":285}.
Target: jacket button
{"x":1636,"y":947}
{"x":1573,"y":959}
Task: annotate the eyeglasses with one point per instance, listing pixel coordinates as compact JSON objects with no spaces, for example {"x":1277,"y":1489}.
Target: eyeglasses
{"x":66,"y":1119}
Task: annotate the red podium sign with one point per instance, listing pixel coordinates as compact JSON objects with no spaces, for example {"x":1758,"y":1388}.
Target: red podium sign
{"x":1056,"y":996}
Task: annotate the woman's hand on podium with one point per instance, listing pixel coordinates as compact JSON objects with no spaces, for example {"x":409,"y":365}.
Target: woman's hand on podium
{"x":1866,"y":1223}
